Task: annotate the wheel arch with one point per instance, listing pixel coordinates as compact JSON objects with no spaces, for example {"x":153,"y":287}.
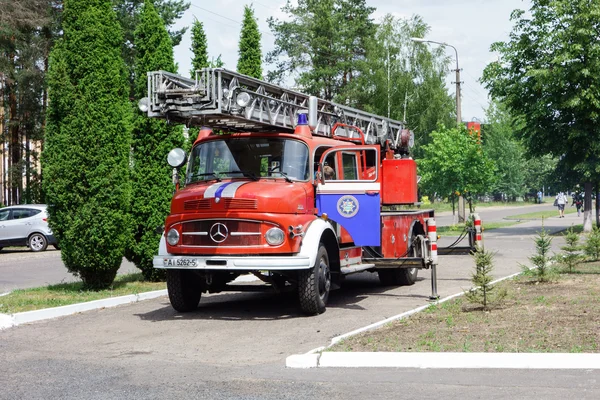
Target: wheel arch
{"x":319,"y":231}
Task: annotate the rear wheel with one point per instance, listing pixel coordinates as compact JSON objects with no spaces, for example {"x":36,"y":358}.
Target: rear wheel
{"x":402,"y":276}
{"x":38,"y":242}
{"x":314,"y":284}
{"x":185,"y":289}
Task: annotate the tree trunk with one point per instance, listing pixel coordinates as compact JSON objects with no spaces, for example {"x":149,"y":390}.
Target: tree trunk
{"x":587,"y":207}
{"x":597,"y":204}
{"x":14,"y":149}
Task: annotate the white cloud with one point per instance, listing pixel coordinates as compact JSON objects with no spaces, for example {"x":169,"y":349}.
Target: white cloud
{"x":469,"y":25}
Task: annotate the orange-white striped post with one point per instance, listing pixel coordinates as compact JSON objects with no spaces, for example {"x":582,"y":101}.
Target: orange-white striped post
{"x":433,"y":254}
{"x":478,"y":232}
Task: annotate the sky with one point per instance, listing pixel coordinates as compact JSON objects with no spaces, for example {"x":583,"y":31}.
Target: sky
{"x":469,"y":25}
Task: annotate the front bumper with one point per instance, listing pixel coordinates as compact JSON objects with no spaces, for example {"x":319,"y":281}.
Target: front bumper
{"x":232,"y":263}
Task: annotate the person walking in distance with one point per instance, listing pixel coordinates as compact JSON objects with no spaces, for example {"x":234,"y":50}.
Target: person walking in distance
{"x":561,"y":200}
{"x":577,"y":202}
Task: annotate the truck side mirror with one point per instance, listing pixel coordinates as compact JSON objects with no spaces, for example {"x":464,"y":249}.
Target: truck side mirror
{"x":177,"y":158}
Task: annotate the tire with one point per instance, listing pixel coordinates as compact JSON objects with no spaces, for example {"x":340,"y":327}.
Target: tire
{"x":38,"y":242}
{"x":185,"y":289}
{"x":398,"y":276}
{"x":401,"y":276}
{"x":314,"y":284}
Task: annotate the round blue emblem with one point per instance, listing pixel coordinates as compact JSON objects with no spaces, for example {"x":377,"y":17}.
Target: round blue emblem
{"x":347,"y":206}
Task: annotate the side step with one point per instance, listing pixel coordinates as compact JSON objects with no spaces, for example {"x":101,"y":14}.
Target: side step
{"x":352,"y":269}
{"x":404,"y":262}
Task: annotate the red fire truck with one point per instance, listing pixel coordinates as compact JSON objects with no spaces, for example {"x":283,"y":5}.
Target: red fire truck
{"x":296,"y":190}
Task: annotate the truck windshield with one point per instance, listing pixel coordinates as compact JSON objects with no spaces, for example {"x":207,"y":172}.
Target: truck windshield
{"x":249,"y":157}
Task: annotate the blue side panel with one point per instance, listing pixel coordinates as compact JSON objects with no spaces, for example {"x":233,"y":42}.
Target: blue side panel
{"x":359,"y":214}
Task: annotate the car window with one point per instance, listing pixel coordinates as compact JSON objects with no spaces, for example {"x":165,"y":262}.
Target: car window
{"x":21,"y":213}
{"x":4,"y":214}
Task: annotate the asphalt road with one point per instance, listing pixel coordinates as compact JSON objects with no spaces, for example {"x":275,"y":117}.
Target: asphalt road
{"x":234,"y":346}
{"x":21,"y":268}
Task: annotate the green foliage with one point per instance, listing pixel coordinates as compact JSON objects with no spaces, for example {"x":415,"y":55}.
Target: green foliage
{"x":542,"y":270}
{"x":250,"y":56}
{"x":128,"y":14}
{"x":152,"y":141}
{"x":86,"y":158}
{"x":592,"y":245}
{"x":199,"y":48}
{"x":507,"y":153}
{"x":455,"y":164}
{"x":547,"y":77}
{"x":484,"y":292}
{"x":403,"y":79}
{"x":570,"y":256}
{"x":318,"y":42}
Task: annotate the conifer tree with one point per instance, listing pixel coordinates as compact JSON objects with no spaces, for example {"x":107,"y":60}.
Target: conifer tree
{"x":199,"y":48}
{"x":152,"y":141}
{"x":250,"y":57}
{"x":86,"y":158}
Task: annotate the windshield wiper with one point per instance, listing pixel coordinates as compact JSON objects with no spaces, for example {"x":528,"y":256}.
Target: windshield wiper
{"x":247,"y":174}
{"x":215,"y":176}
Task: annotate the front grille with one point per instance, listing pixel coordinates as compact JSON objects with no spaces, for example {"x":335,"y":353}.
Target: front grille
{"x":192,"y":205}
{"x":229,"y":233}
{"x":246,"y":204}
{"x":224,"y":203}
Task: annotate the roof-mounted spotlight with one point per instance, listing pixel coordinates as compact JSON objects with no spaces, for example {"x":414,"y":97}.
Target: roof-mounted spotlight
{"x":243,"y":99}
{"x":143,"y":104}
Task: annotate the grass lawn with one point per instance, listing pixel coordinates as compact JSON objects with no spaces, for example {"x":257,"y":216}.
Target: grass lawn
{"x":542,"y":214}
{"x":558,"y":317}
{"x":71,"y":293}
{"x":454,"y":230}
{"x":444,"y":206}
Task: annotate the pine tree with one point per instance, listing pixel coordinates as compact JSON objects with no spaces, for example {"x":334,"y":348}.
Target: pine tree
{"x":86,"y":158}
{"x":152,"y":141}
{"x":484,"y":292}
{"x":542,"y":270}
{"x":199,"y":48}
{"x":570,"y":256}
{"x":592,"y":245}
{"x":250,"y":56}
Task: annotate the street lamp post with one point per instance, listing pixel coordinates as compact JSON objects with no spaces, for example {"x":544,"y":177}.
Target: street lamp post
{"x":457,"y":70}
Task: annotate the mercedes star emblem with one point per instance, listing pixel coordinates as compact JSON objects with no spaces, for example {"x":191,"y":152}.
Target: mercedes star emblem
{"x":218,"y":232}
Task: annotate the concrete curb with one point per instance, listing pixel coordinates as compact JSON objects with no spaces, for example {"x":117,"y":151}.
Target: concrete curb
{"x":345,"y":359}
{"x":461,"y":360}
{"x":10,"y":320}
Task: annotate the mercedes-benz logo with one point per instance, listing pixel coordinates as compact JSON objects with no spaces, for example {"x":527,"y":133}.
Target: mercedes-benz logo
{"x":218,"y":232}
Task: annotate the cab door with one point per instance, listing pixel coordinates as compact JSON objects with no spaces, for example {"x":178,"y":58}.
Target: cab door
{"x":348,"y":191}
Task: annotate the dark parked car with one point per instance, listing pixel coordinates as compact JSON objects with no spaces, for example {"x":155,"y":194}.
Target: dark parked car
{"x":25,"y":225}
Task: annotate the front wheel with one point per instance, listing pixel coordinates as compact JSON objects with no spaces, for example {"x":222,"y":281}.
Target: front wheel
{"x":185,"y":289}
{"x":314,"y":284}
{"x":38,"y":242}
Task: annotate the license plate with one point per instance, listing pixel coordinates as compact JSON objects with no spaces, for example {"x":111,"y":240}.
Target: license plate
{"x":181,"y":262}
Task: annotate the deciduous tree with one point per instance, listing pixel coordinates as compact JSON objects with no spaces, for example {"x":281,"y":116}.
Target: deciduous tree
{"x":454,"y":164}
{"x":547,"y":75}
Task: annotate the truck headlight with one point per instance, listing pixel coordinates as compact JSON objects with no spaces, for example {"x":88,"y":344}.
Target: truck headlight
{"x":173,"y":237}
{"x":275,"y":236}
